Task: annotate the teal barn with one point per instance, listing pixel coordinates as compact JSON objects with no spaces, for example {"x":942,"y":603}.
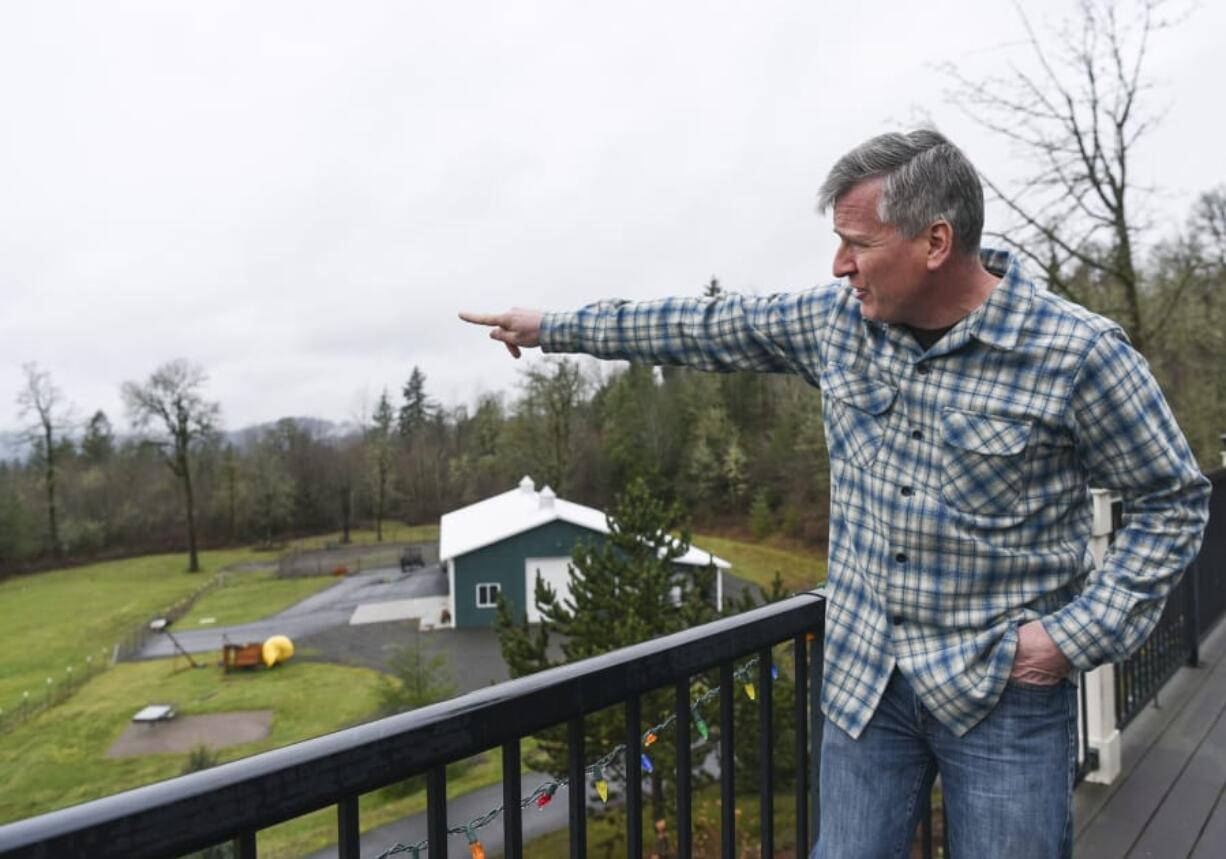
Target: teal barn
{"x":500,"y":545}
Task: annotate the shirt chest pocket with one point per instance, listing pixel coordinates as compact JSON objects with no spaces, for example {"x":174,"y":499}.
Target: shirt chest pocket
{"x":984,"y":460}
{"x":855,"y":408}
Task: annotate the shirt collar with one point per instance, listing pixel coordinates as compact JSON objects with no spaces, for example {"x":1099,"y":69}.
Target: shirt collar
{"x":998,"y":321}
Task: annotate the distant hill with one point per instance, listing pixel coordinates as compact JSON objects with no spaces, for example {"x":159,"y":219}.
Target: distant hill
{"x":317,"y":427}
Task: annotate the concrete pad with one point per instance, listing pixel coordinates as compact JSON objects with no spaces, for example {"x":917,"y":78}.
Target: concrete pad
{"x":428,"y":610}
{"x":181,"y":735}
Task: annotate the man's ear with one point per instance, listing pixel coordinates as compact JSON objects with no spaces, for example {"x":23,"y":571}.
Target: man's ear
{"x":940,"y":243}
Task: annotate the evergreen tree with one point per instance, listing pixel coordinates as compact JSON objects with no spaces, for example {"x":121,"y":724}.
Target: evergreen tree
{"x":98,"y":444}
{"x":623,"y":591}
{"x":761,"y":520}
{"x":417,"y":409}
{"x":379,"y":459}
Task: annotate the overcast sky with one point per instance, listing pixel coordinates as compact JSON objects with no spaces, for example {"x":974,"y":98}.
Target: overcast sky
{"x":300,"y":196}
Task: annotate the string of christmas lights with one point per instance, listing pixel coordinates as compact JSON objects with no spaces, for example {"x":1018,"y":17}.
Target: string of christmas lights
{"x":544,"y":792}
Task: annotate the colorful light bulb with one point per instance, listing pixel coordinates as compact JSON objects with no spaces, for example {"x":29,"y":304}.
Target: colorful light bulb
{"x":650,"y":738}
{"x":774,"y":671}
{"x":701,"y":725}
{"x":751,"y":692}
{"x":475,"y":848}
{"x":646,"y":762}
{"x":602,"y":786}
{"x":547,"y":797}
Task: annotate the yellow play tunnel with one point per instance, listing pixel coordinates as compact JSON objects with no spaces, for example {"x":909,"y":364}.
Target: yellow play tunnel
{"x":277,"y":649}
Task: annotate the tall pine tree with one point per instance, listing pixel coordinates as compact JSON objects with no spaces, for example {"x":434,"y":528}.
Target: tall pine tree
{"x":622,"y":591}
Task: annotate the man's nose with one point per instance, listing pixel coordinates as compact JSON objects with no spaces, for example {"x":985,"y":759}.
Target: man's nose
{"x":844,"y":262}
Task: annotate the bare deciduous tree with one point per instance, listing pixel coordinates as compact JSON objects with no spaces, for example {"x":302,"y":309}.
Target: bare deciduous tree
{"x":41,"y":400}
{"x":554,"y":390}
{"x":1078,"y":114}
{"x":169,"y":404}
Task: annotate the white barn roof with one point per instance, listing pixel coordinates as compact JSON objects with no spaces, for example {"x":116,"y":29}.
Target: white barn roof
{"x":522,"y":509}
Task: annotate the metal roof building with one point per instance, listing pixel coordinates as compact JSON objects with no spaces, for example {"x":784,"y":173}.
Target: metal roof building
{"x":501,"y":544}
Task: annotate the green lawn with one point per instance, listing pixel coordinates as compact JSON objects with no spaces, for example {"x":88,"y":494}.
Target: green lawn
{"x":801,"y":570}
{"x":58,"y":757}
{"x":249,"y":596}
{"x":50,"y":621}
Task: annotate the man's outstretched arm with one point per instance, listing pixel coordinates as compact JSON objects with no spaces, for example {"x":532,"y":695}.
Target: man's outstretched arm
{"x":777,"y":333}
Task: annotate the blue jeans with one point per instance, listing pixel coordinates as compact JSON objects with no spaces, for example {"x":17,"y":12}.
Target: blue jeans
{"x":1007,"y":783}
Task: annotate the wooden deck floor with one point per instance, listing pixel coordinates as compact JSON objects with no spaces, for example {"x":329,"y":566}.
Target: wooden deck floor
{"x":1170,"y":800}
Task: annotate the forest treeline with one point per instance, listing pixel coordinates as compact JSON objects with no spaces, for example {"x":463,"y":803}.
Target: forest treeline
{"x":723,"y":445}
{"x":737,"y":450}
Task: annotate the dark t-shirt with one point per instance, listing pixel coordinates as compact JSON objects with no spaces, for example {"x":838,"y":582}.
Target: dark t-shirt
{"x":927,"y":337}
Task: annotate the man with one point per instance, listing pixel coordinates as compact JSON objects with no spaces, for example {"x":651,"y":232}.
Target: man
{"x":967,"y":413}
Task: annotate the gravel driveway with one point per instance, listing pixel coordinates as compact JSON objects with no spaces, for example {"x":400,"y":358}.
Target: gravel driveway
{"x":327,"y":609}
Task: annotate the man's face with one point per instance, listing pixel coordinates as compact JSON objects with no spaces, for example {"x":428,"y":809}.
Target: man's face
{"x":886,"y":270}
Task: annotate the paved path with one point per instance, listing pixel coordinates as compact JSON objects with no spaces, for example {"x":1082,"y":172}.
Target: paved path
{"x":324,"y":610}
{"x":461,"y":809}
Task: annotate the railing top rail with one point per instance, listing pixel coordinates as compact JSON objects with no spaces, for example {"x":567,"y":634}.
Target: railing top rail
{"x":190,"y":812}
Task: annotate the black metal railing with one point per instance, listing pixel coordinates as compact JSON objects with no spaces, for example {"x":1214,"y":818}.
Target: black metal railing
{"x":1139,"y":678}
{"x":1210,"y":567}
{"x":234,"y":801}
{"x":1196,"y":604}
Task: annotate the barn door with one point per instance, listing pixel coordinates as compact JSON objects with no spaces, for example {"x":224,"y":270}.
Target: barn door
{"x":555,"y":572}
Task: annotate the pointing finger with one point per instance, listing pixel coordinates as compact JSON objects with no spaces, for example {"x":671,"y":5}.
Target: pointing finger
{"x":482,"y":318}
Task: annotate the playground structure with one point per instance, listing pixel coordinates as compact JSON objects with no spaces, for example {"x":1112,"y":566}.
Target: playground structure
{"x":253,"y":654}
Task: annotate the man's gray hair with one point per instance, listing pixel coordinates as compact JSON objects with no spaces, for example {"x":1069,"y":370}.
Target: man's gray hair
{"x":927,"y":178}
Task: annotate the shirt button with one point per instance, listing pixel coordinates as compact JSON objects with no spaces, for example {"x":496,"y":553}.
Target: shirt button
{"x":897,"y":619}
{"x":917,"y":435}
{"x":906,"y":490}
{"x":901,"y":557}
{"x":922,"y":369}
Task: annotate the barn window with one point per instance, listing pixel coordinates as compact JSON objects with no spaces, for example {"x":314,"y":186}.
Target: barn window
{"x":487,"y":594}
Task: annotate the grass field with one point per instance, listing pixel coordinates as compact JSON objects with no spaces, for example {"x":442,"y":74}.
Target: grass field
{"x":58,"y":758}
{"x":249,"y":596}
{"x":801,"y":570}
{"x":50,"y":621}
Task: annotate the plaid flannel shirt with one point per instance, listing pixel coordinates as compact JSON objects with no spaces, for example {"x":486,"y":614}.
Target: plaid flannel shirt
{"x":960,"y":475}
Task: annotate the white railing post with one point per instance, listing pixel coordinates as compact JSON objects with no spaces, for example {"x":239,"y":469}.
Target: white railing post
{"x":1102,"y":735}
